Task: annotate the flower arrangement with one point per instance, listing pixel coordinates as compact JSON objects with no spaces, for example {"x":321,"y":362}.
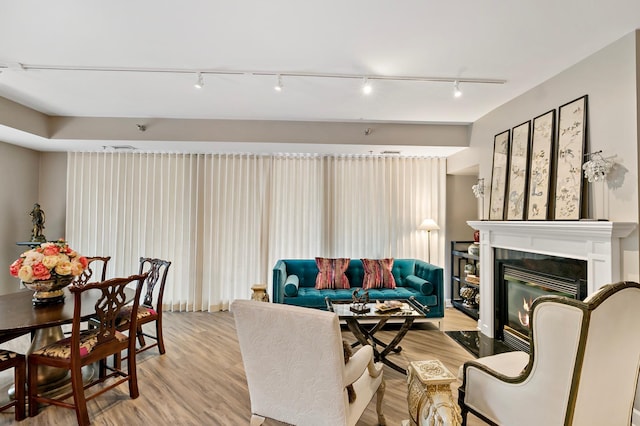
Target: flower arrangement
{"x":49,"y":261}
{"x":597,"y":168}
{"x":478,"y":188}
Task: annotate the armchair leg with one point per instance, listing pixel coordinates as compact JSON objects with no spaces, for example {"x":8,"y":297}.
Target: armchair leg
{"x":159,"y":336}
{"x":32,"y":388}
{"x":463,"y":407}
{"x":379,"y":395}
{"x":20,"y":377}
{"x":256,"y":420}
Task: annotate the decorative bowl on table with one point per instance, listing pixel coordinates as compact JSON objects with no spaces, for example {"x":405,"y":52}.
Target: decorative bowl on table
{"x":48,"y":291}
{"x":48,"y":269}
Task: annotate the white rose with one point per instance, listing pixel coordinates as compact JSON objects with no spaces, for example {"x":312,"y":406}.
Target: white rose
{"x":32,"y":257}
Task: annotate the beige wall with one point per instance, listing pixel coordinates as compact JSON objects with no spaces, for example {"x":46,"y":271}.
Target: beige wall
{"x":461,"y":207}
{"x":610,"y":78}
{"x":52,"y":190}
{"x":19,"y":172}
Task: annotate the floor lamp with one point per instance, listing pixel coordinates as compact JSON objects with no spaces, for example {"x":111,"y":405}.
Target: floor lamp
{"x":428,"y":225}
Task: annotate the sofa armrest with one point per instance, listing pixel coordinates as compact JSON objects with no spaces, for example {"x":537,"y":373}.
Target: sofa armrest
{"x":425,"y":287}
{"x":291,"y":286}
{"x":279,"y":278}
{"x":435,"y":275}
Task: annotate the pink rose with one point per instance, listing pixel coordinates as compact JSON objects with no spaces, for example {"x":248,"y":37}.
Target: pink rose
{"x":15,"y":267}
{"x":51,"y":250}
{"x":40,"y":272}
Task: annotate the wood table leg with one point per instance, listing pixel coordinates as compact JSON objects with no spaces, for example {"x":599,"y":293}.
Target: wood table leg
{"x":366,"y":337}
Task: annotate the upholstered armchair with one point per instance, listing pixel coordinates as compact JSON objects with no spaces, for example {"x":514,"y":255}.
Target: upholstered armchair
{"x":294,"y":363}
{"x":583,"y":367}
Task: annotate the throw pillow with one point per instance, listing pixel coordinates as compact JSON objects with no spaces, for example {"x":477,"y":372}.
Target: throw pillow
{"x":331,"y":273}
{"x":377,"y":273}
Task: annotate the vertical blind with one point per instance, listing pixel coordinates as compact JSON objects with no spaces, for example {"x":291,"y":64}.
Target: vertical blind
{"x":223,"y":220}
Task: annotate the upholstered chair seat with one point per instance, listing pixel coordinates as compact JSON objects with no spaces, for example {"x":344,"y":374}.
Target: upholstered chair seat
{"x":62,"y":348}
{"x":144,"y":312}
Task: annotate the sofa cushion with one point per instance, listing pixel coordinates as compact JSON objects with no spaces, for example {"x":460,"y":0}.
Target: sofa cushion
{"x":291,"y":286}
{"x":331,"y":273}
{"x":420,"y":284}
{"x":377,"y":273}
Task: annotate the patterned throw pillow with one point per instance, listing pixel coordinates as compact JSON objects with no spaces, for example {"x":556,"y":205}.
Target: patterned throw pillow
{"x":331,"y":273}
{"x":377,"y":273}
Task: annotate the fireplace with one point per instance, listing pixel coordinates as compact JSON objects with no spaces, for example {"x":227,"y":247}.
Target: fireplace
{"x":523,"y":277}
{"x":594,"y":243}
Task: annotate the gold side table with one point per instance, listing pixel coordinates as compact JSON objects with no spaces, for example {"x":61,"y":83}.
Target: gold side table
{"x":259,"y":293}
{"x":429,"y":394}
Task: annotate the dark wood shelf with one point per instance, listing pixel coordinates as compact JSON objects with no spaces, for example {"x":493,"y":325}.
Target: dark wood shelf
{"x":460,"y":257}
{"x":473,"y":313}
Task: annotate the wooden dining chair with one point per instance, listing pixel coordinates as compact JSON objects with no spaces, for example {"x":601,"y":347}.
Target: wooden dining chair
{"x":96,"y":269}
{"x":148,"y":309}
{"x":85,"y":347}
{"x":9,"y":359}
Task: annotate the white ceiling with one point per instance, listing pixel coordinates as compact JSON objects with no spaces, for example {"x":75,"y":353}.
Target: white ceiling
{"x":523,"y":42}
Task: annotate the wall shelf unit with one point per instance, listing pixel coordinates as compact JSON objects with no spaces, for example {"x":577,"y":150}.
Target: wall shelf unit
{"x":465,"y":282}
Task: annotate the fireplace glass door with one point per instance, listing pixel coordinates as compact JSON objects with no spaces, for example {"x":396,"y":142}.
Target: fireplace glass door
{"x":520,"y":286}
{"x":519,"y":297}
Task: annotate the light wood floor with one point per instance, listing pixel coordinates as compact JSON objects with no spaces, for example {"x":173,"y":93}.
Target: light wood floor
{"x":200,"y":380}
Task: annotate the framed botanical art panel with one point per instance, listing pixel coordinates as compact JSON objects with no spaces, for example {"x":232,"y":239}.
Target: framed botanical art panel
{"x":518,"y":171}
{"x":572,"y":125}
{"x":499,"y":175}
{"x":540,"y":166}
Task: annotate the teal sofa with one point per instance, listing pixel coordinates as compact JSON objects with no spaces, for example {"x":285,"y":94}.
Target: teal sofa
{"x":294,"y":284}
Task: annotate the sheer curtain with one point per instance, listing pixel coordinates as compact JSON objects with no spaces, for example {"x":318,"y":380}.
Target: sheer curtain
{"x":224,"y":220}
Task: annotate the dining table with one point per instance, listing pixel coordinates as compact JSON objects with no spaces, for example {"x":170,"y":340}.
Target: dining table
{"x":20,"y":316}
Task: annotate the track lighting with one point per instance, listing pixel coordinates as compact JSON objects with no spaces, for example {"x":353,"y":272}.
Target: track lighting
{"x":456,"y":89}
{"x":366,"y":86}
{"x":200,"y":82}
{"x":278,"y":87}
{"x":366,"y":81}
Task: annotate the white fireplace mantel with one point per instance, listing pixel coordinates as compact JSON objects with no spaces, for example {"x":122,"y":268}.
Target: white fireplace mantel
{"x":596,"y":242}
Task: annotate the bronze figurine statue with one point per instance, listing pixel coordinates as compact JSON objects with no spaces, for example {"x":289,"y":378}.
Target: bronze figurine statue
{"x":37,"y":219}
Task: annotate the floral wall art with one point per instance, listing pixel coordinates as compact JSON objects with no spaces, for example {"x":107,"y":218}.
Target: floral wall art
{"x":540,"y":169}
{"x":499,"y":175}
{"x":571,"y":144}
{"x":518,"y":166}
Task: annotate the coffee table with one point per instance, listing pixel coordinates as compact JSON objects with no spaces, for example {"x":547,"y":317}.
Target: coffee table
{"x":365,"y":325}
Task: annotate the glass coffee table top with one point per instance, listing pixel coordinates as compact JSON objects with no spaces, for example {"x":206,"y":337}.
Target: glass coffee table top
{"x":378,"y":309}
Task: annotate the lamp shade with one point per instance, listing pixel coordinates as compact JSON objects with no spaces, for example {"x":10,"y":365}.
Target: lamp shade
{"x":428,"y":225}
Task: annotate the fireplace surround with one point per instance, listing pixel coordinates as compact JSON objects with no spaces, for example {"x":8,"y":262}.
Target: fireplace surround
{"x":596,"y":242}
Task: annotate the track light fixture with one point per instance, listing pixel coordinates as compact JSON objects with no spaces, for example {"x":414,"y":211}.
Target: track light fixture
{"x":278,"y":87}
{"x":366,"y":86}
{"x":456,"y":89}
{"x":200,"y":82}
